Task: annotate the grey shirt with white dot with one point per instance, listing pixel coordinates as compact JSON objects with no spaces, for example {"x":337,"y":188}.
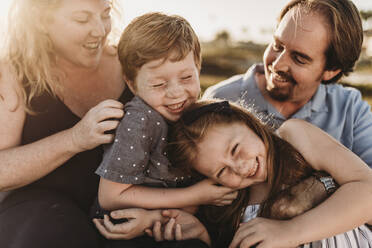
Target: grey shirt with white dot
{"x":137,"y":155}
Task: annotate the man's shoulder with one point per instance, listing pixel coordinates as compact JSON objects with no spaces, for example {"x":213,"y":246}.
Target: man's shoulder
{"x":227,"y":89}
{"x":342,"y":93}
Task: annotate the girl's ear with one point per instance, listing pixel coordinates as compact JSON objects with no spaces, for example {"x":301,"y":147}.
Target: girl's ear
{"x":329,"y":74}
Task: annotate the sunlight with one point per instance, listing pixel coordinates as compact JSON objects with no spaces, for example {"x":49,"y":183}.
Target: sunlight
{"x":4,"y":6}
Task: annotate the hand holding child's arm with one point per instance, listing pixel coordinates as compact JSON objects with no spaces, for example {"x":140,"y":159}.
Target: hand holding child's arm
{"x":138,"y":221}
{"x":181,"y":226}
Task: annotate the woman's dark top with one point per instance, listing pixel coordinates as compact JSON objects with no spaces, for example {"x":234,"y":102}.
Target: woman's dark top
{"x":75,"y":178}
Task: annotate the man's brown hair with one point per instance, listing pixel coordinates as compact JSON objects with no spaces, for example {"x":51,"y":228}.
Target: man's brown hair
{"x":345,"y":31}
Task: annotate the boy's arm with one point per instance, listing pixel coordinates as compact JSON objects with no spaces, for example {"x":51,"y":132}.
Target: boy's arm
{"x":114,"y":195}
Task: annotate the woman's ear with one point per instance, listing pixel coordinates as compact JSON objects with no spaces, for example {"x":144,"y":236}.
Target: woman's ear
{"x":130,"y":84}
{"x":329,"y":74}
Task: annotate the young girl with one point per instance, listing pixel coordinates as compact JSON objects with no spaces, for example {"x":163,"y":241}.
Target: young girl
{"x":160,"y":55}
{"x":228,"y":144}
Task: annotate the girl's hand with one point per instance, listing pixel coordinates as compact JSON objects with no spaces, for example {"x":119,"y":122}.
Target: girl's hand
{"x":92,"y":129}
{"x":138,"y":221}
{"x":181,"y":226}
{"x":264,"y":233}
{"x":209,"y":193}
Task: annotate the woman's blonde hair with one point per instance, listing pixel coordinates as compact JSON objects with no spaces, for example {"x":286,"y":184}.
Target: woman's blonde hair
{"x":29,"y":50}
{"x":285,"y":165}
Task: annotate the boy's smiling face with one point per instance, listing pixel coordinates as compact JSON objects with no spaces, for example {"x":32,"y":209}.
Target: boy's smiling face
{"x":168,"y":86}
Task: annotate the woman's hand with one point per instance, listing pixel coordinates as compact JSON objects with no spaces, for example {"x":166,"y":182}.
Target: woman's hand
{"x":138,"y":220}
{"x":92,"y":130}
{"x":181,"y":226}
{"x":264,"y":233}
{"x":209,"y":193}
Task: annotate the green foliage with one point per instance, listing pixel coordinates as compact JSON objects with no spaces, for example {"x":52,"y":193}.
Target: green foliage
{"x":366,"y":14}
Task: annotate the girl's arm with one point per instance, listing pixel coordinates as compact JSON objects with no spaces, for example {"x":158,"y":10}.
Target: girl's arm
{"x":24,"y":164}
{"x":350,"y":205}
{"x":113,"y":195}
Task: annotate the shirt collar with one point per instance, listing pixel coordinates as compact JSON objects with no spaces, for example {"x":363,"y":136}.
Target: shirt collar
{"x":250,"y":90}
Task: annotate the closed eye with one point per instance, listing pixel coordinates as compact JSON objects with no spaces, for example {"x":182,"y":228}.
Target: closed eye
{"x":220,"y":172}
{"x":233,"y":151}
{"x":187,"y":77}
{"x":158,"y":85}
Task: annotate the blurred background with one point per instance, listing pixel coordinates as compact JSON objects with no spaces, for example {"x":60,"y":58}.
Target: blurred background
{"x":234,"y":33}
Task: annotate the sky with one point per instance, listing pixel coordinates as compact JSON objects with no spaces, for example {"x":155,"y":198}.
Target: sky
{"x":243,"y":19}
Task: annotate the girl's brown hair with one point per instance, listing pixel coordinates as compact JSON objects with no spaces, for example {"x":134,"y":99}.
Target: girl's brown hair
{"x":286,"y":166}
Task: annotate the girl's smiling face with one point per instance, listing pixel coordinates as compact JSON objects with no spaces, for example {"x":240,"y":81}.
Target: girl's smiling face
{"x":233,"y":155}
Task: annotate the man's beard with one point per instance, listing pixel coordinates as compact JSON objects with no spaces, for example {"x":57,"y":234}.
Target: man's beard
{"x":282,"y":94}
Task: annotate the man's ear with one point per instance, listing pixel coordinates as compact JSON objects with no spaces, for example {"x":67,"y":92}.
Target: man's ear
{"x":329,"y":74}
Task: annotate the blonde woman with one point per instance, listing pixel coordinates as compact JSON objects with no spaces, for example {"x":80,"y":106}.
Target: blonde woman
{"x":56,"y":75}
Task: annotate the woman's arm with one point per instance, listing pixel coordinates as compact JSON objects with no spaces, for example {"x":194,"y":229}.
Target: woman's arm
{"x":350,"y":205}
{"x":138,"y":221}
{"x":21,"y":165}
{"x":113,"y":195}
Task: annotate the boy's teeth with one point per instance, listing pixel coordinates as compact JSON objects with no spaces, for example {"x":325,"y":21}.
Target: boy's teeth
{"x":91,"y":45}
{"x":175,"y":106}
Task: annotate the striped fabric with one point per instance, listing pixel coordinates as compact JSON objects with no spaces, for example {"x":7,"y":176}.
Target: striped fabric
{"x":360,"y":237}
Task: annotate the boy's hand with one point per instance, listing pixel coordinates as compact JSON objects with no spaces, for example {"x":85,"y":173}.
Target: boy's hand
{"x":209,"y":193}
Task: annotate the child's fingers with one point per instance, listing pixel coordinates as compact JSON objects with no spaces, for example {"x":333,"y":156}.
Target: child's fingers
{"x":168,"y":231}
{"x":230,"y":196}
{"x":149,"y":232}
{"x":156,"y":231}
{"x":178,"y":232}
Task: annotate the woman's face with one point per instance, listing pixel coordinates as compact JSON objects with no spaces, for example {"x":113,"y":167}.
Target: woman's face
{"x":233,"y":155}
{"x":78,"y":30}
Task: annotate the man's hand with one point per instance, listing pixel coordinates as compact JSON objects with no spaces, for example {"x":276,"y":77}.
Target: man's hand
{"x":299,"y":199}
{"x":265,"y":233}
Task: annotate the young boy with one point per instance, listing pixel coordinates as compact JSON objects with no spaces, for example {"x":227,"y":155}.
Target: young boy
{"x":160,"y":56}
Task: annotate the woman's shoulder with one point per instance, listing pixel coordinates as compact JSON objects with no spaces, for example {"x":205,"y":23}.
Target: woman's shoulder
{"x":10,"y":88}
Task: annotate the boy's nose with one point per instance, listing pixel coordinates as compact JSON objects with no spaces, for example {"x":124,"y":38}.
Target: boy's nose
{"x":174,"y":90}
{"x":98,"y":28}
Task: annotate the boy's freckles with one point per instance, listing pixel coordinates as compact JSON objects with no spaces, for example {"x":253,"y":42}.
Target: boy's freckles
{"x":169,"y":86}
